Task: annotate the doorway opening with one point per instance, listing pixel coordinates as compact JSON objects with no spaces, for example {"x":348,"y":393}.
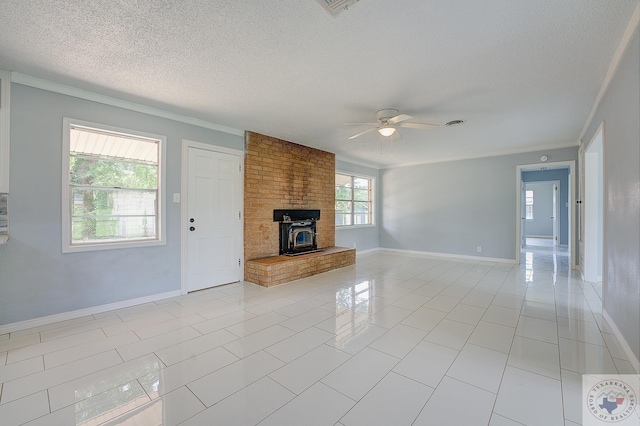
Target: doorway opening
{"x":542,"y":213}
{"x":544,"y":210}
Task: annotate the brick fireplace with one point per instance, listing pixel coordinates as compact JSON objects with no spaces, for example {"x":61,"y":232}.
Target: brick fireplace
{"x":285,"y":175}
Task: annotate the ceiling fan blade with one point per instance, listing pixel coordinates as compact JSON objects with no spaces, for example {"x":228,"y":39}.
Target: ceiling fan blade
{"x":361,"y":124}
{"x":419,"y":125}
{"x":398,"y":118}
{"x":361,"y":133}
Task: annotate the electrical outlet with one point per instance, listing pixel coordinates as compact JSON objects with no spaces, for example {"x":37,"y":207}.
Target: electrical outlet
{"x":176,"y":197}
{"x":354,"y":245}
{"x":479,"y":249}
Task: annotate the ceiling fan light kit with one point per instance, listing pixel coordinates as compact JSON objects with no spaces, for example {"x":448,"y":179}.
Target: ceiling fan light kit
{"x":388,"y":120}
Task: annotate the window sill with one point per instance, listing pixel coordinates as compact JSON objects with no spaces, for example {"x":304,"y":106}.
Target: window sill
{"x":111,"y":246}
{"x":339,"y":228}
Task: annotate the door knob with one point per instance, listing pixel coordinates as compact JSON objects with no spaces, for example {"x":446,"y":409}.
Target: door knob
{"x":192,"y":220}
{"x":192,"y":228}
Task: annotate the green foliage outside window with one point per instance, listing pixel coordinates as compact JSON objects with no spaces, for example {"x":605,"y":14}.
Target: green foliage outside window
{"x":109,"y":195}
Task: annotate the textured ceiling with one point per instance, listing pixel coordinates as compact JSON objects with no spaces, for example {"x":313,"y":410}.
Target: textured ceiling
{"x":523,"y":74}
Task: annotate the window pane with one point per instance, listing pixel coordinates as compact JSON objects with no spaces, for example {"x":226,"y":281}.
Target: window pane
{"x":105,"y":144}
{"x":112,"y":215}
{"x":97,"y":171}
{"x":362,"y":219}
{"x":529,"y":214}
{"x":343,"y":193}
{"x":344,"y":190}
{"x":343,"y":206}
{"x":107,"y":202}
{"x":110,"y":228}
{"x":360,"y":183}
{"x":343,"y":219}
{"x":361,"y":207}
{"x":343,"y":180}
{"x":361,"y":195}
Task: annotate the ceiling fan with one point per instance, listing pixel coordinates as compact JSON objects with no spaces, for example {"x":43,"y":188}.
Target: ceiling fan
{"x":388,"y":122}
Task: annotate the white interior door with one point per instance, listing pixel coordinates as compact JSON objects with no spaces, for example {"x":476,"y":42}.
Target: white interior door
{"x":213,"y":219}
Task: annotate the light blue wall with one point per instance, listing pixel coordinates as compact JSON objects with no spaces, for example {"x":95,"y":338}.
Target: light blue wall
{"x":563,"y":176}
{"x":453,"y":207}
{"x":36,"y":279}
{"x":364,"y":238}
{"x":620,"y":109}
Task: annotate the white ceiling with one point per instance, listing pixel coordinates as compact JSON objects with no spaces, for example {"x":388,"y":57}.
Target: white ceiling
{"x":523,"y":74}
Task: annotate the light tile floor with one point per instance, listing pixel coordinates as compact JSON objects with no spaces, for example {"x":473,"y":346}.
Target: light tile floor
{"x":397,"y":339}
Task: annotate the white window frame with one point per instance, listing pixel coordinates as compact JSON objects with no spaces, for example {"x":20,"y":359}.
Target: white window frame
{"x":67,"y":246}
{"x":372,"y":191}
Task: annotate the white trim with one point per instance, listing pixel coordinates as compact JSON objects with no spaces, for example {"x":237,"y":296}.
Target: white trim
{"x":571,"y":200}
{"x":5,"y":116}
{"x":210,"y":147}
{"x":184,"y":205}
{"x":451,"y":256}
{"x":372,"y":191}
{"x":51,"y":86}
{"x":343,"y":227}
{"x":600,"y":129}
{"x":591,"y":216}
{"x":524,"y":150}
{"x":613,"y":67}
{"x":161,"y":239}
{"x":631,"y":357}
{"x":65,"y":316}
{"x":367,"y":252}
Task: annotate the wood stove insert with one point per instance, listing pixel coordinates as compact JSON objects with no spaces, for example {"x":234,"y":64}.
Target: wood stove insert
{"x":297,"y":231}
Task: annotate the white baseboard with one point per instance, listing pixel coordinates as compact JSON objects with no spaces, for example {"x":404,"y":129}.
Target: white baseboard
{"x":451,"y":256}
{"x":65,"y":316}
{"x":623,"y":342}
{"x":366,"y":252}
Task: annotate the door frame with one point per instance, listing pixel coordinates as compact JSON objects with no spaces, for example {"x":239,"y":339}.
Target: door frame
{"x":555,"y":210}
{"x":593,"y":216}
{"x":556,"y":213}
{"x":571,"y":197}
{"x":184,"y":205}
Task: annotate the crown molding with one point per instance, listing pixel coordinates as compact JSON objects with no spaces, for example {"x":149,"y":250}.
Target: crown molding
{"x":615,"y":63}
{"x":523,"y":150}
{"x":63,"y":89}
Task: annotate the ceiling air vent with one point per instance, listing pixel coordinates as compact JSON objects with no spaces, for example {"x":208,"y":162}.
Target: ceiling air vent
{"x":334,"y":7}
